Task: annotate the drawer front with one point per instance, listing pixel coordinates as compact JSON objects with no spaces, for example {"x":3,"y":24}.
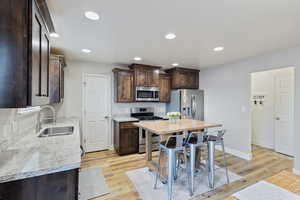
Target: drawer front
{"x":127,"y":125}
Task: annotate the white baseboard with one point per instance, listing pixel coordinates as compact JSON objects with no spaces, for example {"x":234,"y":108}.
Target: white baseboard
{"x":237,"y":153}
{"x":296,"y":171}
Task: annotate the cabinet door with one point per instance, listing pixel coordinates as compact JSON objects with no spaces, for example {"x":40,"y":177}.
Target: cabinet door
{"x":152,"y":78}
{"x":45,"y":49}
{"x":193,"y":80}
{"x":129,"y":140}
{"x":13,"y":53}
{"x":40,"y":59}
{"x":141,"y":77}
{"x":54,"y":80}
{"x":179,"y":80}
{"x":164,"y":88}
{"x":37,"y":30}
{"x":62,"y":82}
{"x":125,"y":90}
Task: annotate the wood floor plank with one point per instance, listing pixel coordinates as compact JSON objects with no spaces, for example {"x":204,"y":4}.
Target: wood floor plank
{"x":265,"y":163}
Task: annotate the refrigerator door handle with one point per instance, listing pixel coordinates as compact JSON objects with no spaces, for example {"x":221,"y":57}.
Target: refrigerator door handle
{"x":193,"y":106}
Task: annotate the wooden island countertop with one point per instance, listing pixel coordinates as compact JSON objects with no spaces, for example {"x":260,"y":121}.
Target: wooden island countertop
{"x":166,"y":127}
{"x":163,"y":127}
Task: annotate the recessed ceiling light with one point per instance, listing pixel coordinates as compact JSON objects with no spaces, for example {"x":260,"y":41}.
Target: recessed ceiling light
{"x":92,"y":15}
{"x":86,"y":50}
{"x":137,"y":58}
{"x":219,"y":49}
{"x":170,"y":36}
{"x":54,"y":35}
{"x":175,"y":64}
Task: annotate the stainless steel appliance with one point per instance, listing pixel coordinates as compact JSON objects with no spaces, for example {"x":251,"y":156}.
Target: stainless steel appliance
{"x":143,"y":114}
{"x":147,"y":94}
{"x":190,"y":103}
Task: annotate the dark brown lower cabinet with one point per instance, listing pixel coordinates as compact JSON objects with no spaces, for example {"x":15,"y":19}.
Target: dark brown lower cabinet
{"x":126,"y":138}
{"x":57,"y":186}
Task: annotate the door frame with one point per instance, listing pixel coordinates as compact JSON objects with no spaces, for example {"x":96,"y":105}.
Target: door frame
{"x":83,"y":138}
{"x":250,"y":101}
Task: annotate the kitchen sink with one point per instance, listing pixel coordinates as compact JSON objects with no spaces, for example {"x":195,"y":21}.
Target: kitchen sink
{"x":57,"y":131}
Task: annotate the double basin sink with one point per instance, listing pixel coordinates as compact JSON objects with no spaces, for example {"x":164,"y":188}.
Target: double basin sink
{"x":57,"y":131}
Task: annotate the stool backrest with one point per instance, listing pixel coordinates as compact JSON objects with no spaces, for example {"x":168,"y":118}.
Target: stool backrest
{"x":179,"y":140}
{"x":219,"y":133}
{"x":199,"y":135}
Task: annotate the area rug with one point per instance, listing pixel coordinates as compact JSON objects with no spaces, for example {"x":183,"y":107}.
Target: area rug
{"x":91,"y":183}
{"x":282,"y":186}
{"x":264,"y":190}
{"x":143,"y":181}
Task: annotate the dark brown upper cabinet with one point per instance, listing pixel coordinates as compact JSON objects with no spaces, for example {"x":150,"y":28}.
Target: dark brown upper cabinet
{"x":56,"y":79}
{"x":183,"y":78}
{"x":24,"y":53}
{"x":164,"y":87}
{"x":145,"y":75}
{"x":124,"y":85}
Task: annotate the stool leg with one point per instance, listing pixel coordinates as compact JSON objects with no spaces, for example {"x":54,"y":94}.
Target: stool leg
{"x":188,"y":172}
{"x":175,"y":166}
{"x":225,"y":161}
{"x":171,"y":158}
{"x":158,"y":169}
{"x":211,"y":158}
{"x":192,"y":160}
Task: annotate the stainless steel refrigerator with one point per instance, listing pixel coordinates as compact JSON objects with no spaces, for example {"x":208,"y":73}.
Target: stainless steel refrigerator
{"x":190,"y":103}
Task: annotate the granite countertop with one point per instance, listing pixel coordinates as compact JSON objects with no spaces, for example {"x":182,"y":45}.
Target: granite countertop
{"x":125,"y":119}
{"x":33,"y":156}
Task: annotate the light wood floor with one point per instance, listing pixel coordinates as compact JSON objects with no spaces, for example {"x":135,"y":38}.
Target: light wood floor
{"x":265,"y":163}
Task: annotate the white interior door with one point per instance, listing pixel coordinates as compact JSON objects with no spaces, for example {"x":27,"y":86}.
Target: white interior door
{"x":284,"y":111}
{"x":96,"y":112}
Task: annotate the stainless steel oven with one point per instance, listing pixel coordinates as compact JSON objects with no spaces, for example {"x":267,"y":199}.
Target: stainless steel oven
{"x":147,"y":94}
{"x":145,"y":114}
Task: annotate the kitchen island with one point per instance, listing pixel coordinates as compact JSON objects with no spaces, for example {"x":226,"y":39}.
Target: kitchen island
{"x":164,"y":128}
{"x":35,"y":167}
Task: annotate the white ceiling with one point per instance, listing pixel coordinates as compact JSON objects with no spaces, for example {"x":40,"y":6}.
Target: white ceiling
{"x":130,"y":28}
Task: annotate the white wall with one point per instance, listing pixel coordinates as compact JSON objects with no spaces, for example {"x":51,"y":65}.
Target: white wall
{"x":72,"y":105}
{"x":227,"y":94}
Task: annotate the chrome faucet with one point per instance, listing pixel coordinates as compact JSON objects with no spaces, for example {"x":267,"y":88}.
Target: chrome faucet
{"x":40,"y":122}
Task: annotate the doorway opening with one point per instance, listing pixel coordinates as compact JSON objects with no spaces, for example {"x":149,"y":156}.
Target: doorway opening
{"x":272,"y":109}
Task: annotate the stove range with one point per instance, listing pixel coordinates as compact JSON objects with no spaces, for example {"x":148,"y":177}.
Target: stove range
{"x":146,"y":114}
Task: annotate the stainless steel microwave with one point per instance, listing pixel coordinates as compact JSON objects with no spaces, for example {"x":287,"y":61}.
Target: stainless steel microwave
{"x":147,"y":94}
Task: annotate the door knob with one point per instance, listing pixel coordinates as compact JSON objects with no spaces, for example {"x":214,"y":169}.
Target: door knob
{"x":277,"y":118}
{"x":106,"y":117}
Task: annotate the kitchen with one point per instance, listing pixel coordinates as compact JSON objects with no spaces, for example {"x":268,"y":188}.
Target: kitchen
{"x":80,"y":91}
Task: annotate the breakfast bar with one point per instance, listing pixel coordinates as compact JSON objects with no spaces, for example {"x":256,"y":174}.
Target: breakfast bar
{"x":164,"y":128}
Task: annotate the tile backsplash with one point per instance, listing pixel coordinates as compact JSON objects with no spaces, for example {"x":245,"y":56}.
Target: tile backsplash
{"x":124,"y":108}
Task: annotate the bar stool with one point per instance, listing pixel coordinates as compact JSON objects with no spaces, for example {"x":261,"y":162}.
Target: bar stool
{"x":174,"y":145}
{"x":212,"y":141}
{"x":194,"y":141}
